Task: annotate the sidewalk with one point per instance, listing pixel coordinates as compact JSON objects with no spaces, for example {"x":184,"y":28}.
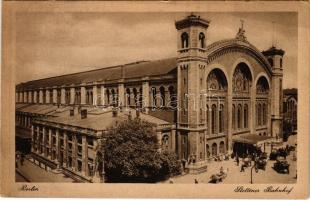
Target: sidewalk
{"x":34,"y":173}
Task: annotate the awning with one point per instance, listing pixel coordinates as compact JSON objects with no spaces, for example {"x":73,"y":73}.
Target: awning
{"x":252,"y":139}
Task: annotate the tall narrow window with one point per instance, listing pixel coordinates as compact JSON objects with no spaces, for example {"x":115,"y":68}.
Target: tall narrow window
{"x":221,"y":119}
{"x":239,"y":116}
{"x":264,"y":114}
{"x":207,"y":119}
{"x":259,"y":111}
{"x":213,"y":119}
{"x":202,"y":40}
{"x":184,"y":39}
{"x":245,"y":116}
{"x":233,"y":117}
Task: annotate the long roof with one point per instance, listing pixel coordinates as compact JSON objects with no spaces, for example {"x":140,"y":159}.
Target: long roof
{"x":127,"y":71}
{"x":131,"y":70}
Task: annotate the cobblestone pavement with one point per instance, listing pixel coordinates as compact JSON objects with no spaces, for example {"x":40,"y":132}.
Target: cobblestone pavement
{"x":34,"y":173}
{"x":234,"y":176}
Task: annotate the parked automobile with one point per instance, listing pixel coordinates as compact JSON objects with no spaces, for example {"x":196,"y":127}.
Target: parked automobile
{"x":281,"y":166}
{"x":261,"y":164}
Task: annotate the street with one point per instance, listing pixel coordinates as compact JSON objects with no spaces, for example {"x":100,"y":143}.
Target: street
{"x":234,"y":176}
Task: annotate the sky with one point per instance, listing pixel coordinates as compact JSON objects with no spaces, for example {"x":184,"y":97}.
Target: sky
{"x":56,"y":43}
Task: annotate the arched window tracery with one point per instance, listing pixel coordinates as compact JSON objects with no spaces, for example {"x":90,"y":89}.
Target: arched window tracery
{"x":242,"y":78}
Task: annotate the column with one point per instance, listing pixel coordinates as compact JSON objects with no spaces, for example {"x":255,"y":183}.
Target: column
{"x":173,"y":142}
{"x":65,"y":158}
{"x":96,"y":177}
{"x":103,"y":92}
{"x":47,"y":95}
{"x":25,"y":97}
{"x":50,"y":144}
{"x":72,"y":95}
{"x":146,"y":96}
{"x":251,"y":110}
{"x":54,"y":95}
{"x":84,"y":156}
{"x":229,"y":107}
{"x":95,"y":95}
{"x":35,"y":100}
{"x":159,"y":138}
{"x":29,"y":97}
{"x":63,"y":96}
{"x":121,"y":94}
{"x":40,"y":96}
{"x":83,"y":95}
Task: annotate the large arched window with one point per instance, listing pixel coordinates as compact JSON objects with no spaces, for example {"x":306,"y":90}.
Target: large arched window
{"x":184,"y":39}
{"x":154,"y":96}
{"x":208,"y":151}
{"x":221,"y":118}
{"x":162,"y":96}
{"x":214,"y":149}
{"x":128,"y":96}
{"x":222,"y":148}
{"x":173,"y":98}
{"x":242,"y":78}
{"x":108,"y":97}
{"x":202,"y":40}
{"x":239,"y":116}
{"x":245,"y":116}
{"x":213,"y":119}
{"x":135,"y":96}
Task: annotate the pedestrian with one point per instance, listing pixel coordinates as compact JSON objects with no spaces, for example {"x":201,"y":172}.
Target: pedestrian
{"x":196,"y":181}
{"x":237,"y":159}
{"x":221,"y":170}
{"x":242,"y":167}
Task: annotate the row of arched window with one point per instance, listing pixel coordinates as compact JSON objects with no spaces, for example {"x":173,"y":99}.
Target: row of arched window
{"x":215,"y":149}
{"x":162,"y":97}
{"x":261,"y":114}
{"x":240,"y":116}
{"x":215,"y":119}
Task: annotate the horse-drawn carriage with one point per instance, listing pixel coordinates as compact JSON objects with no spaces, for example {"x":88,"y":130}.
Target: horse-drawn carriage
{"x":261,"y":163}
{"x":275,"y":153}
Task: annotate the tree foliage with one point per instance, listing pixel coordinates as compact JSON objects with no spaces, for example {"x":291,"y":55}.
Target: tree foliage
{"x":131,"y":154}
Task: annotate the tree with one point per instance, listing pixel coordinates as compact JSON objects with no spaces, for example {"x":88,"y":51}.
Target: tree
{"x":131,"y":154}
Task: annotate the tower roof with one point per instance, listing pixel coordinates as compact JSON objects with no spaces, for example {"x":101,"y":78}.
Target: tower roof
{"x":191,"y":20}
{"x":273,"y":51}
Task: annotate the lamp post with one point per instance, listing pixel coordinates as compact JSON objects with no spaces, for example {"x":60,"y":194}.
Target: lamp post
{"x":256,"y":170}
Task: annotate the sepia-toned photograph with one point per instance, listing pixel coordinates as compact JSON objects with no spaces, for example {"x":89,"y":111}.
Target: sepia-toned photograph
{"x":154,"y":100}
{"x":162,"y":98}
